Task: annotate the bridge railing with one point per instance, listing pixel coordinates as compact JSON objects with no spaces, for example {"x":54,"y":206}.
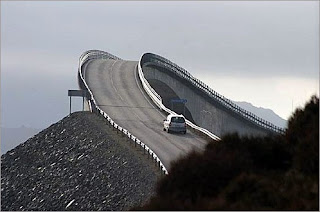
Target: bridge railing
{"x":96,"y":54}
{"x":156,"y":98}
{"x":182,"y":73}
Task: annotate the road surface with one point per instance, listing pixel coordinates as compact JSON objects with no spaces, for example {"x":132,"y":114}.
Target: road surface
{"x":118,"y":92}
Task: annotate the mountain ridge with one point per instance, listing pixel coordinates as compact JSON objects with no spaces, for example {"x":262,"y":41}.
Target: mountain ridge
{"x":264,"y":113}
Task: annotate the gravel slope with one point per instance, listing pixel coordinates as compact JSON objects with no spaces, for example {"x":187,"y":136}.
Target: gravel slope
{"x":76,"y":164}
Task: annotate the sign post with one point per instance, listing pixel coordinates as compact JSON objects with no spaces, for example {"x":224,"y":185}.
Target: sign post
{"x":81,"y":93}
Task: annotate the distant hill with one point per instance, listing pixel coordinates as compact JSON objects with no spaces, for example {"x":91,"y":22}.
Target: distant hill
{"x":264,"y":113}
{"x":12,"y":137}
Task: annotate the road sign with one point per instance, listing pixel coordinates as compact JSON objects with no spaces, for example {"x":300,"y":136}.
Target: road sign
{"x":183,"y":101}
{"x":82,"y":93}
{"x":178,"y":100}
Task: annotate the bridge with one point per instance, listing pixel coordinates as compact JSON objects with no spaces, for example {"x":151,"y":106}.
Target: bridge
{"x":134,"y":98}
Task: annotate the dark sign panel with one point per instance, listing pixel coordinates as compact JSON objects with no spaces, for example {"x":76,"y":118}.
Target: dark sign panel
{"x":178,"y":100}
{"x":82,"y":93}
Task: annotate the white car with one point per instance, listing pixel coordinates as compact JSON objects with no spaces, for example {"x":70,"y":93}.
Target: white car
{"x":175,"y":123}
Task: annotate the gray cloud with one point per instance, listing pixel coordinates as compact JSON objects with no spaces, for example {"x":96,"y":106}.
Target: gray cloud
{"x":248,"y":39}
{"x":34,"y":102}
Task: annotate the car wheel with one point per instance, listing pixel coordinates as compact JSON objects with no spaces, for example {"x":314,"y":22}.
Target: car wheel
{"x":184,"y":132}
{"x":164,"y":129}
{"x":168,"y":131}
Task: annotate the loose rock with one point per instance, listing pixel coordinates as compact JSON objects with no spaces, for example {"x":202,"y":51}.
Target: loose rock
{"x":79,"y":163}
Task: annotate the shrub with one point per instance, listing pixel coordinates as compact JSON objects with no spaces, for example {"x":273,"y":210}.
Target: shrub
{"x":249,"y":173}
{"x":303,"y":135}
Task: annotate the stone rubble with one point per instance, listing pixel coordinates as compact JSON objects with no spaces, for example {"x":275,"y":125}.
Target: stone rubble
{"x":79,"y":163}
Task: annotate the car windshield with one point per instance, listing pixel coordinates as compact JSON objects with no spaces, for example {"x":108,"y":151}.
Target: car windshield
{"x":177,"y":119}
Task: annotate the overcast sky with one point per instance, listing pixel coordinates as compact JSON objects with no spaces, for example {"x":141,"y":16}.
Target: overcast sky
{"x":266,"y":53}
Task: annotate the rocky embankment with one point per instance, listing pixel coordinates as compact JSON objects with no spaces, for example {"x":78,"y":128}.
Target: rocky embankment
{"x":76,"y":164}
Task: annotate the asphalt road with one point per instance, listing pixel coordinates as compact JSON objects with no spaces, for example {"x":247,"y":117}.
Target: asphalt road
{"x":118,"y":91}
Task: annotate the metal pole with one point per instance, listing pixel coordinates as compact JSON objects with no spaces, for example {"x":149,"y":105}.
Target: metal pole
{"x":83,"y":103}
{"x":70,"y":106}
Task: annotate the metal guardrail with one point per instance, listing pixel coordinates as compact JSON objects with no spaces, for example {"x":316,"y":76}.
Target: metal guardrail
{"x":96,"y":54}
{"x":156,"y":98}
{"x":182,"y":73}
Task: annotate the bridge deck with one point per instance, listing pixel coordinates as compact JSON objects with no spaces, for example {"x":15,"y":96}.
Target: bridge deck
{"x":118,"y":92}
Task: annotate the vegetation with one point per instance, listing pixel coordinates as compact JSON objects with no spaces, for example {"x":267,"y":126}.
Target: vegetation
{"x":249,"y":173}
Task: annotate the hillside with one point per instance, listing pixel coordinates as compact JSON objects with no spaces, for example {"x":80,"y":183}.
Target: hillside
{"x":77,"y":163}
{"x":264,"y":113}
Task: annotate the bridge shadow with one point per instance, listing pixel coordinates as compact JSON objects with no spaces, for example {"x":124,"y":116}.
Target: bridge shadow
{"x":167,"y":94}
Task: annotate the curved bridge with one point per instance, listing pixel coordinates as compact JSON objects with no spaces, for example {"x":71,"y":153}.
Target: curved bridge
{"x":208,"y":108}
{"x":120,"y":91}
